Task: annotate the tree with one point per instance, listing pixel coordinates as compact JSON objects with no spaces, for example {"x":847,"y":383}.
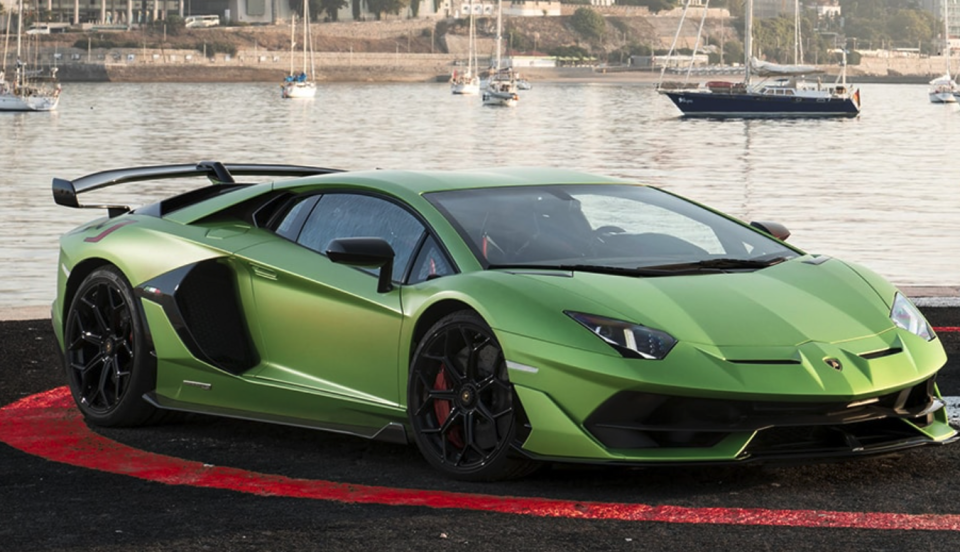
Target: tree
{"x":330,"y":7}
{"x":381,"y":7}
{"x":317,"y":7}
{"x":891,"y":23}
{"x":588,"y":23}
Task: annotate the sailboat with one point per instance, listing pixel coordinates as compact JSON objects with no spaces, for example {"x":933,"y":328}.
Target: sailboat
{"x":786,"y":95}
{"x":468,"y":82}
{"x":501,"y":87}
{"x":943,"y":89}
{"x":28,"y":91}
{"x":299,"y":85}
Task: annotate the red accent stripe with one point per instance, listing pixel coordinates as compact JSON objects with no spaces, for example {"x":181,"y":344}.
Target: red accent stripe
{"x":108,"y":231}
{"x":946,"y":329}
{"x":48,"y":425}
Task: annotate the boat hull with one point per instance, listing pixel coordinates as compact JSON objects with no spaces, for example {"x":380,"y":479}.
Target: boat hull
{"x":943,"y":97}
{"x":294,"y":90}
{"x":11,"y":102}
{"x":502,"y":99}
{"x":696,"y":103}
{"x":465,"y":88}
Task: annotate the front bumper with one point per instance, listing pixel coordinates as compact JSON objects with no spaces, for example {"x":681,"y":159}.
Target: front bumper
{"x":701,"y":406}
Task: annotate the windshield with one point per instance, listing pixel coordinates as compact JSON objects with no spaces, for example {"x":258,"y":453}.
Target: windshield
{"x":610,"y":226}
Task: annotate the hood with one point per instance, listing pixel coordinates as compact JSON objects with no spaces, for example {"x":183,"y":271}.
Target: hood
{"x":784,"y":305}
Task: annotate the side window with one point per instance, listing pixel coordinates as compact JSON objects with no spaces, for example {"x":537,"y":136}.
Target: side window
{"x":355,"y":216}
{"x":431,"y":262}
{"x":291,"y":223}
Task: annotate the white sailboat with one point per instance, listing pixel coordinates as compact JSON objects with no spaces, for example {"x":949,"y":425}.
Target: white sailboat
{"x":27,"y":91}
{"x":501,"y":88}
{"x":943,"y":89}
{"x":300,"y":85}
{"x":468,"y":82}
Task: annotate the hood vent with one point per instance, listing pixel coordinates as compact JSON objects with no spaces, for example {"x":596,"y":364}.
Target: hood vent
{"x":785,"y":361}
{"x":881,"y":354}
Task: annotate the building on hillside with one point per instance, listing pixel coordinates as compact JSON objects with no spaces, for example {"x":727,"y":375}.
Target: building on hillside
{"x":123,"y":13}
{"x":953,"y":18}
{"x":826,"y":9}
{"x":488,"y":8}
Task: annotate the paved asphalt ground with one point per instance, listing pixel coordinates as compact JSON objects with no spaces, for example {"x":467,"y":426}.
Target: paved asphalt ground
{"x":49,"y":506}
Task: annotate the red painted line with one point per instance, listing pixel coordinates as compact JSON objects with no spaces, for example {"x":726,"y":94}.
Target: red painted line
{"x":48,"y":425}
{"x":108,"y":231}
{"x":946,"y":329}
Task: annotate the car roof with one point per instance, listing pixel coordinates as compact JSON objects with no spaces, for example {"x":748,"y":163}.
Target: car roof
{"x":421,"y":182}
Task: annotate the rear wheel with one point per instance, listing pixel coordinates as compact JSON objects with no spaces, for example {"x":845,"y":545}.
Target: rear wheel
{"x":461,"y":404}
{"x":107,"y":361}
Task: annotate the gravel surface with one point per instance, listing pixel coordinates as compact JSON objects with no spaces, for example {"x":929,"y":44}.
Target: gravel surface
{"x":50,"y":506}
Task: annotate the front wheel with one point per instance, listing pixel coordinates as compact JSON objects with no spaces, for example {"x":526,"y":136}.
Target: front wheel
{"x":461,"y":405}
{"x":106,"y":356}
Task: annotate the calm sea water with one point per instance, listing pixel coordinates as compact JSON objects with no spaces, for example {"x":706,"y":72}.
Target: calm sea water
{"x":882,"y":190}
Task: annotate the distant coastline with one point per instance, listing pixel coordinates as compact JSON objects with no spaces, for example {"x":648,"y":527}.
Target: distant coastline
{"x":409,"y":68}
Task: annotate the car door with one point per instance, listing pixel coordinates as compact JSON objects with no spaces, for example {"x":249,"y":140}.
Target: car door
{"x":323,"y":326}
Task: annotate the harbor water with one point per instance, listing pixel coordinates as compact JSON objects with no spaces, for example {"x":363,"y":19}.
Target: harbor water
{"x":882,"y":189}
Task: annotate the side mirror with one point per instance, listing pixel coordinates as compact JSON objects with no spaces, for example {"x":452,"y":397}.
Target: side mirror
{"x":366,"y":253}
{"x":775,"y":229}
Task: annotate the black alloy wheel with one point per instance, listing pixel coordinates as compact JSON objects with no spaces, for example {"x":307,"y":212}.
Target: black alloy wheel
{"x":106,"y":356}
{"x":461,"y":404}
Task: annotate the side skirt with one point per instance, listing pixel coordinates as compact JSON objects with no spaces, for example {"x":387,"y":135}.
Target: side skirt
{"x":392,"y":432}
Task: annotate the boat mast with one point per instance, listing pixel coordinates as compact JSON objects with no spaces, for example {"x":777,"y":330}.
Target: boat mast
{"x":293,"y":43}
{"x":946,"y":37}
{"x":747,"y":39}
{"x":6,"y":44}
{"x":472,"y":68}
{"x":797,"y":46}
{"x":499,"y":30}
{"x":306,"y":32}
{"x":19,"y":76}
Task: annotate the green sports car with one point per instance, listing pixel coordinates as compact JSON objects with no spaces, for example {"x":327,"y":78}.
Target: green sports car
{"x":497,"y":318}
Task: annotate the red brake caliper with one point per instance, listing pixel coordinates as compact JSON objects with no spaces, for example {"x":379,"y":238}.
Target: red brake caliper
{"x":442,"y":408}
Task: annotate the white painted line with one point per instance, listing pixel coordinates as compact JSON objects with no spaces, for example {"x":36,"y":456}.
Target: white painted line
{"x":24,"y":313}
{"x":929,"y":302}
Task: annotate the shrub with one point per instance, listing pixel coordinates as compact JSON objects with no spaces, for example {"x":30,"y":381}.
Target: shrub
{"x":588,"y":23}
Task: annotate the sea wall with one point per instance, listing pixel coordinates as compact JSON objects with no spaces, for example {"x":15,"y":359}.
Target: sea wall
{"x":246,"y":66}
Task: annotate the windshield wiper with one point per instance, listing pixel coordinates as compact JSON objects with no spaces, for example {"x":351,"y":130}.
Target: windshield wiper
{"x":722,"y":264}
{"x":597,"y":269}
{"x":697,"y":267}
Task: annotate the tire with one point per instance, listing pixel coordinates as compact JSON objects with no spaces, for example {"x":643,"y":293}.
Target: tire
{"x":107,"y":359}
{"x":461,"y":405}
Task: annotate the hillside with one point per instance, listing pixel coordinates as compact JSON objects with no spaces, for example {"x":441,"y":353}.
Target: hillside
{"x":542,"y":34}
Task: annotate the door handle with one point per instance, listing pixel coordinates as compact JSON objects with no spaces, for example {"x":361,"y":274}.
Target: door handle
{"x":264,"y":272}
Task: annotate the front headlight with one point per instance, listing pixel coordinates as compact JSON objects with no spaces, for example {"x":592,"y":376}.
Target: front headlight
{"x":908,"y":317}
{"x":630,"y":340}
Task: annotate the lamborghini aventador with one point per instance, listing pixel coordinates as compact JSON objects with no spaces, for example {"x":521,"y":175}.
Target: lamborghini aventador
{"x":497,"y":318}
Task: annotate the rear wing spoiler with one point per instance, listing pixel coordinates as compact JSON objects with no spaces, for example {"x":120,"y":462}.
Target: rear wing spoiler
{"x":65,"y":192}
